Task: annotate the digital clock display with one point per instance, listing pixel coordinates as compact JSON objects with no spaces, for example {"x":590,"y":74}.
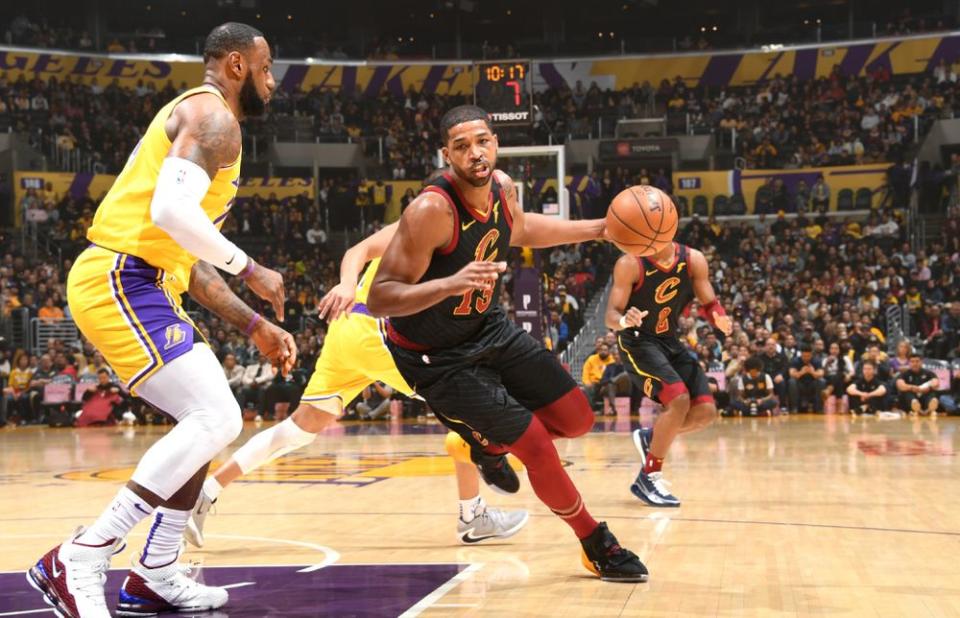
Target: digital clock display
{"x":504,"y":90}
{"x":500,"y":72}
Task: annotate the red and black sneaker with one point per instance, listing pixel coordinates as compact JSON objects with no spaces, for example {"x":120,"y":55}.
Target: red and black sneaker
{"x":71,"y":577}
{"x":169,"y":588}
{"x":604,"y":557}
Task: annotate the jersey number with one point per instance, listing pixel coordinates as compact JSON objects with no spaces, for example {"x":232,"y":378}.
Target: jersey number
{"x":482,"y":303}
{"x":486,"y":296}
{"x":663,"y":320}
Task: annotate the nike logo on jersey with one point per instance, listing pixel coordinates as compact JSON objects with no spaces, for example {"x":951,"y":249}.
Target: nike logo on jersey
{"x":465,"y":226}
{"x":230,"y":261}
{"x":680,"y":267}
{"x":652,"y":272}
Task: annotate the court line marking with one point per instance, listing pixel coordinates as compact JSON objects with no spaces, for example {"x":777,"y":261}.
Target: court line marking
{"x":238,"y":585}
{"x":24,"y":612}
{"x":455,"y":605}
{"x":543,"y":515}
{"x":330,"y":555}
{"x":425,"y":603}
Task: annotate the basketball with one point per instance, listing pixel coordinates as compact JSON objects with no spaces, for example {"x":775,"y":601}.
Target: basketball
{"x":641,"y":220}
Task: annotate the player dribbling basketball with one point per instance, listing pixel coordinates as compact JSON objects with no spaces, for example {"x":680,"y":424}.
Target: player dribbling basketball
{"x":647,"y":298}
{"x":482,"y":375}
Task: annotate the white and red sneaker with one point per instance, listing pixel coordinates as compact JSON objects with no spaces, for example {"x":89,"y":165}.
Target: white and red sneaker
{"x":71,"y":577}
{"x":146,"y":592}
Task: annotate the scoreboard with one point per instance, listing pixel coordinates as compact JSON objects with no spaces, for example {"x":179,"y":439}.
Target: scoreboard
{"x":504,"y":89}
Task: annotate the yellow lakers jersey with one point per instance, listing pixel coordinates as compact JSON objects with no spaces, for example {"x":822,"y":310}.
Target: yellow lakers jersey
{"x":363,"y":286}
{"x":122,"y":222}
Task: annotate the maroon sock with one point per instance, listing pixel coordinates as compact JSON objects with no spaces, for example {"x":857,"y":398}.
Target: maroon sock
{"x":567,"y":417}
{"x":549,"y":480}
{"x":652,"y":464}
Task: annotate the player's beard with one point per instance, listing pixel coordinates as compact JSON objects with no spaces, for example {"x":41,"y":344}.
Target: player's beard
{"x":251,"y":103}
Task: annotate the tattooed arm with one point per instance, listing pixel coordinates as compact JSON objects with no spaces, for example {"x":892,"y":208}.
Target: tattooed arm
{"x":209,"y":289}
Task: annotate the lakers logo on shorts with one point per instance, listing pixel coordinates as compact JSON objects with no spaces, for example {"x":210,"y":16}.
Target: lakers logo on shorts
{"x":483,"y":441}
{"x":648,"y":387}
{"x":175,"y":335}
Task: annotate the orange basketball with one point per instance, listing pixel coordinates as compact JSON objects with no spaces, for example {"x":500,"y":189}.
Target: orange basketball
{"x":642,"y":220}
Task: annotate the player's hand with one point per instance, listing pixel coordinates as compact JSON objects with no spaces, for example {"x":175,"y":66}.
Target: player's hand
{"x":338,"y":301}
{"x":634,"y":317}
{"x":268,"y":285}
{"x":604,"y":232}
{"x":475,"y":276}
{"x":723,"y":322}
{"x":276,"y":344}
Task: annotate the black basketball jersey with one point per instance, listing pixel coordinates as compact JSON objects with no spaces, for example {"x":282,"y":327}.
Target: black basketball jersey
{"x":456,"y":319}
{"x":663,"y":293}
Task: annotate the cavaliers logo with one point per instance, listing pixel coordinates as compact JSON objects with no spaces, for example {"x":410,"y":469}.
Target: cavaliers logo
{"x":648,"y":388}
{"x":488,"y":240}
{"x":483,"y":441}
{"x":666,"y":290}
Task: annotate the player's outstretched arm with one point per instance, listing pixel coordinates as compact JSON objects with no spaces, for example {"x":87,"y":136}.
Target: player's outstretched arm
{"x":209,"y":289}
{"x":339,"y":300}
{"x":626,"y":272}
{"x":538,"y":231}
{"x":426,"y":226}
{"x":709,"y":303}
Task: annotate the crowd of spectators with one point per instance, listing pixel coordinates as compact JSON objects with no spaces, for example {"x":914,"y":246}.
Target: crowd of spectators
{"x":35,"y":289}
{"x":25,"y":32}
{"x":781,"y":123}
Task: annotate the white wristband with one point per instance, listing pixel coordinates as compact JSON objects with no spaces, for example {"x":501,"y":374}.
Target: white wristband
{"x":623,"y":322}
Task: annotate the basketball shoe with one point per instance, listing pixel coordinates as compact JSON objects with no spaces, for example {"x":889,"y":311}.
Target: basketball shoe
{"x":603,"y":556}
{"x":193,"y":533}
{"x":146,"y":592}
{"x":652,"y":489}
{"x":641,"y":439}
{"x":497,"y":472}
{"x":71,"y":577}
{"x":491,"y":524}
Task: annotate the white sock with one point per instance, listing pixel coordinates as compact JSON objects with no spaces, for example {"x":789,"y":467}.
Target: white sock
{"x":163,"y":540}
{"x":472,"y":508}
{"x":126,"y":510}
{"x":270,"y":444}
{"x":212,"y":488}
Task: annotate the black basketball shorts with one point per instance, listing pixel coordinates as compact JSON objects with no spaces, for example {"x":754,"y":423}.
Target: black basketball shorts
{"x":487,"y":388}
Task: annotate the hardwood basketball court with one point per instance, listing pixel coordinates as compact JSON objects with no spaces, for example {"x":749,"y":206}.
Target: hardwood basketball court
{"x":792,"y":516}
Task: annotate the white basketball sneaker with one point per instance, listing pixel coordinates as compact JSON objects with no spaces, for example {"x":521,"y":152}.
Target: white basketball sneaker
{"x":146,"y":592}
{"x":71,"y":577}
{"x":491,"y":524}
